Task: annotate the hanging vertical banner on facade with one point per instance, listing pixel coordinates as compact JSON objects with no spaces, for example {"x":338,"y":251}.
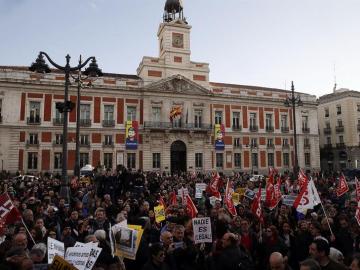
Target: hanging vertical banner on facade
{"x":219,"y":137}
{"x":131,"y":134}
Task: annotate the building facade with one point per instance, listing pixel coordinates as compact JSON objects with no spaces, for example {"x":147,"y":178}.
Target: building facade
{"x":215,"y":125}
{"x":339,"y":123}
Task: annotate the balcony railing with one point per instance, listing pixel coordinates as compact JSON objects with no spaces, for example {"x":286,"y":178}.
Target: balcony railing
{"x":253,"y":128}
{"x":269,"y":129}
{"x":286,"y":146}
{"x":236,"y":128}
{"x":328,"y":145}
{"x":270,"y":146}
{"x":358,"y":126}
{"x":85,"y":122}
{"x":339,"y":129}
{"x":253,"y":145}
{"x":285,"y":129}
{"x":32,"y":143}
{"x":108,"y":123}
{"x":57,"y":143}
{"x":340,"y":145}
{"x":177,"y":126}
{"x":58,"y":121}
{"x":108,"y":144}
{"x":307,"y":146}
{"x":34,"y":120}
{"x":237,"y":146}
{"x":85,"y":144}
{"x":306,"y":130}
{"x":327,"y":130}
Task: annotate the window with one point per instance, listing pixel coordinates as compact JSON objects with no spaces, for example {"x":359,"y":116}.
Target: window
{"x":32,"y":161}
{"x":286,"y":159}
{"x":236,"y":120}
{"x":57,"y":161}
{"x":339,"y":123}
{"x":270,"y":142}
{"x":156,"y":160}
{"x":305,"y":124}
{"x":156,"y":114}
{"x":108,"y":160}
{"x":270,"y":159}
{"x":198,"y":160}
{"x":358,"y":107}
{"x":84,"y":111}
{"x":307,"y":159}
{"x":108,"y":140}
{"x":34,"y":112}
{"x":285,"y":142}
{"x":237,"y":160}
{"x":84,"y":139}
{"x":338,"y":109}
{"x":254,"y":159}
{"x":219,"y":160}
{"x":218,"y":117}
{"x":33,"y":138}
{"x":252,"y":120}
{"x":327,"y":125}
{"x":198,"y":118}
{"x":268,"y":119}
{"x":58,"y":138}
{"x":306,"y":142}
{"x":253,"y":142}
{"x":131,"y":160}
{"x":326,"y":110}
{"x":59,"y":117}
{"x":284,"y":121}
{"x":84,"y":159}
{"x":108,"y":112}
{"x":237,"y":142}
{"x":131,"y":113}
{"x":328,"y":140}
{"x":0,"y":110}
{"x":341,"y":139}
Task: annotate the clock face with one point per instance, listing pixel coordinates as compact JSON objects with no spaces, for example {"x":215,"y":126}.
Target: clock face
{"x":178,"y":40}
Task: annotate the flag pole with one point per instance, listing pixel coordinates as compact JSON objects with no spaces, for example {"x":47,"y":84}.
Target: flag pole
{"x":327,"y":219}
{"x":22,"y":220}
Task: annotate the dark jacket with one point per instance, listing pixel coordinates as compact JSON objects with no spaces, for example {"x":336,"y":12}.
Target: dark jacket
{"x":233,"y":258}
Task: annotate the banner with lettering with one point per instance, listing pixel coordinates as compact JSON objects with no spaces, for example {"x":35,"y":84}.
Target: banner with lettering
{"x":202,"y":230}
{"x":132,"y":135}
{"x":219,"y":134}
{"x":55,"y":247}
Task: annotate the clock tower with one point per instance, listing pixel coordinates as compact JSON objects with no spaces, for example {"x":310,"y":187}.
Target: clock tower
{"x":174,"y":50}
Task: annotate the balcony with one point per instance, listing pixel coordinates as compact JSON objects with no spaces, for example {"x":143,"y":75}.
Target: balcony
{"x":286,"y":146}
{"x":85,"y":144}
{"x":32,"y":143}
{"x":306,"y":130}
{"x":253,"y":128}
{"x":327,"y":130}
{"x":177,"y":126}
{"x":236,"y":128}
{"x":57,"y":143}
{"x":237,"y":146}
{"x":269,"y":129}
{"x":36,"y":120}
{"x":253,"y":145}
{"x":270,"y":146}
{"x":85,"y":122}
{"x":58,"y":121}
{"x":285,"y":129}
{"x":339,"y":129}
{"x":108,"y":144}
{"x":307,"y":146}
{"x":358,"y":126}
{"x":340,"y":145}
{"x":108,"y":123}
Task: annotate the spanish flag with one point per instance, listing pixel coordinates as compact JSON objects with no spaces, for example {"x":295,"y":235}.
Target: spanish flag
{"x":175,"y":111}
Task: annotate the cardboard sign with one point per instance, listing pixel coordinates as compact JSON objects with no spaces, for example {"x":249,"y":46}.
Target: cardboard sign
{"x":78,"y":256}
{"x":199,"y":188}
{"x":55,"y":247}
{"x":94,"y":253}
{"x":202,"y":230}
{"x":236,"y":198}
{"x":159,"y":213}
{"x":59,"y":263}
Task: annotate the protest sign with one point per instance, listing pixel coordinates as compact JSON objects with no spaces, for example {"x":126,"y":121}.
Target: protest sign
{"x":55,"y":247}
{"x":202,"y":230}
{"x":199,"y":188}
{"x":94,"y":253}
{"x":159,"y":213}
{"x":78,"y":256}
{"x":236,"y":198}
{"x":59,"y":263}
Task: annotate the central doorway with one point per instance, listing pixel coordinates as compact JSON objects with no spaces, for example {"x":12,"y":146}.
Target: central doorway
{"x":178,"y":157}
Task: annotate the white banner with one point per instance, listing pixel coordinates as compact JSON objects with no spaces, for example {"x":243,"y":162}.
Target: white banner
{"x":202,"y":230}
{"x":199,"y":188}
{"x":78,"y":256}
{"x":55,"y":247}
{"x":94,"y":253}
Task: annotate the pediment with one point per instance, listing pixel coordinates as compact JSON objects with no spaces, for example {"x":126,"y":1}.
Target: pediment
{"x":178,"y":84}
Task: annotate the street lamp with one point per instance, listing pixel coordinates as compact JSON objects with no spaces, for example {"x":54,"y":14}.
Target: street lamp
{"x":294,"y":102}
{"x":63,"y":107}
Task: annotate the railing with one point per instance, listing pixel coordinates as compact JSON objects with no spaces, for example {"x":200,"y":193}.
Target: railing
{"x":34,"y":120}
{"x":237,"y":146}
{"x":270,"y":146}
{"x":108,"y":144}
{"x":306,"y":130}
{"x":58,"y":121}
{"x":253,"y":128}
{"x":307,"y":146}
{"x":339,"y":129}
{"x":32,"y":143}
{"x":285,"y":146}
{"x":269,"y":129}
{"x":285,"y":129}
{"x":85,"y":122}
{"x":85,"y":144}
{"x":358,"y":127}
{"x":327,"y":130}
{"x":340,"y":145}
{"x":177,"y":126}
{"x":328,"y":145}
{"x":57,"y":143}
{"x":253,"y":145}
{"x":236,"y":128}
{"x":108,"y":123}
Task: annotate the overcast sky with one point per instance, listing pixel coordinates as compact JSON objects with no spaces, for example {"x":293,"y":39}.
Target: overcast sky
{"x":252,"y":42}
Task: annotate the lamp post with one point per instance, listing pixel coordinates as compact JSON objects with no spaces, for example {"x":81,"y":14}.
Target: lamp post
{"x":294,"y":102}
{"x":63,"y":107}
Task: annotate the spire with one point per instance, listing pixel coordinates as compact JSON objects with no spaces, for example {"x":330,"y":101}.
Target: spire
{"x":173,"y":10}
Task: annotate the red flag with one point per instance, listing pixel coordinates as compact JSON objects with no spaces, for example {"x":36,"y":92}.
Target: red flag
{"x":190,"y":206}
{"x":256,"y":206}
{"x":342,"y":187}
{"x":162,"y":202}
{"x":302,"y":179}
{"x":9,"y":214}
{"x":276,"y":196}
{"x":172,"y":199}
{"x":228,"y":198}
{"x":357,"y":188}
{"x":270,"y":187}
{"x":213,"y":187}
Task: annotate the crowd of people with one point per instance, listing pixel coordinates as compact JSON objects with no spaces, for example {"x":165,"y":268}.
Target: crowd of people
{"x":283,"y":239}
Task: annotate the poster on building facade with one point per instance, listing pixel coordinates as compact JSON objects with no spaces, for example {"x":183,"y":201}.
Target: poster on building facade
{"x":131,"y":141}
{"x":219,"y":134}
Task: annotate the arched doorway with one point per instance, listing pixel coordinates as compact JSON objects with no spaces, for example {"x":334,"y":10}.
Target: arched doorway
{"x":178,"y":157}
